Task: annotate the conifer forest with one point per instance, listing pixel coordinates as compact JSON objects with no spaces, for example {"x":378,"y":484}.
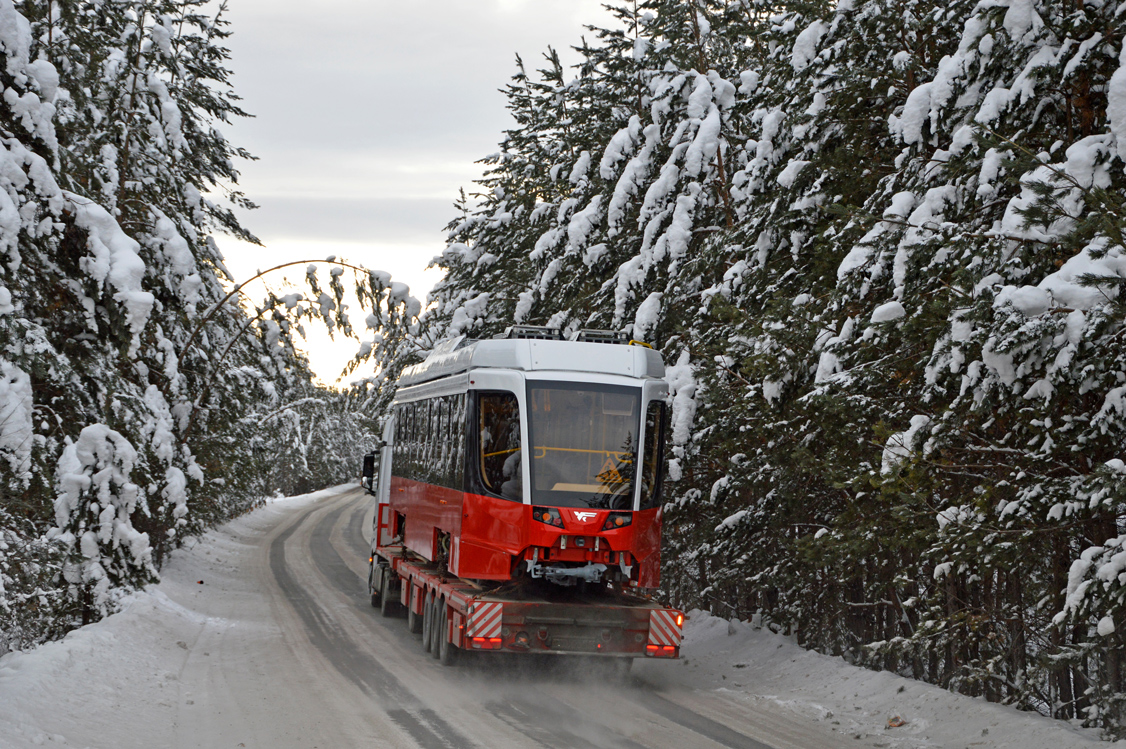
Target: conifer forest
{"x":880,"y":244}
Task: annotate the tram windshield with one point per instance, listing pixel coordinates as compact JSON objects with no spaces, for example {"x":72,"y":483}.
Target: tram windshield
{"x":584,"y":444}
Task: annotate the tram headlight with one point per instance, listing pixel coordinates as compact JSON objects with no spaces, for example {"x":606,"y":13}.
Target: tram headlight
{"x":549,"y":515}
{"x":616,"y":520}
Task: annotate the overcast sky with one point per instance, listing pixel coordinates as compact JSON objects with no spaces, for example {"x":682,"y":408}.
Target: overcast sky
{"x":369,"y":115}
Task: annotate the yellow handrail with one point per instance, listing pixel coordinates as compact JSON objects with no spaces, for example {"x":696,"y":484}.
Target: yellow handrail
{"x":502,"y":452}
{"x":616,"y":453}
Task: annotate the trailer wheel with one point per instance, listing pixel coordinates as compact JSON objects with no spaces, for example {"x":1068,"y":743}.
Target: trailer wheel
{"x":427,"y":621}
{"x":447,"y":651}
{"x":414,"y":621}
{"x":386,"y":600}
{"x":372,"y":591}
{"x":437,"y":611}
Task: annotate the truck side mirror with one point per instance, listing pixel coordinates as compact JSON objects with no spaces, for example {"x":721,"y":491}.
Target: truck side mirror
{"x":369,"y":466}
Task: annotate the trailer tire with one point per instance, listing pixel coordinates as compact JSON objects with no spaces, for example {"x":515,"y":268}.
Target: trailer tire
{"x":386,"y":600}
{"x":447,"y":651}
{"x":372,"y":591}
{"x":414,"y":621}
{"x":437,"y":609}
{"x":427,"y":621}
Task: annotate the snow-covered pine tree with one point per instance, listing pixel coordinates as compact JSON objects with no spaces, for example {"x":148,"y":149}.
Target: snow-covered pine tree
{"x":487,"y":262}
{"x":612,"y":169}
{"x":1013,"y":243}
{"x":756,"y":483}
{"x":48,"y":392}
{"x":959,"y":346}
{"x":29,"y":603}
{"x":637,"y":182}
{"x":143,"y":84}
{"x":129,"y":388}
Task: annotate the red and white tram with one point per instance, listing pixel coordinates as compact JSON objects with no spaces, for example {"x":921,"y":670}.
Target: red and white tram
{"x":529,"y":456}
{"x":531,"y":459}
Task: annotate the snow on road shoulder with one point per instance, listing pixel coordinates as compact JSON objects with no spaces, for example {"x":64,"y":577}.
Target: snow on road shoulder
{"x":115,"y":683}
{"x":749,"y":663}
{"x":332,"y":491}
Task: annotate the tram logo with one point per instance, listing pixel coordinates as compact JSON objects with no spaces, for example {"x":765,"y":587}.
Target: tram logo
{"x":582,"y":517}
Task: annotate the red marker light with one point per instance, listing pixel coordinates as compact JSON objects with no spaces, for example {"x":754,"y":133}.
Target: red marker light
{"x":487,"y":643}
{"x":549,"y":515}
{"x":616,"y":520}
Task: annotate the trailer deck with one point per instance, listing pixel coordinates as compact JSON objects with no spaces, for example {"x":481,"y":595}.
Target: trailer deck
{"x":522,"y":616}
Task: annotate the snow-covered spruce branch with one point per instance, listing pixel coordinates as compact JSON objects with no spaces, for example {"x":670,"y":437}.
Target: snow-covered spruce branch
{"x":287,"y":406}
{"x":1118,"y":207}
{"x":865,"y":217}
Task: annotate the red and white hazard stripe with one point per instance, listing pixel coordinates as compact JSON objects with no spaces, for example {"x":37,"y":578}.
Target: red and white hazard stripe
{"x":664,"y":628}
{"x":484,"y":619}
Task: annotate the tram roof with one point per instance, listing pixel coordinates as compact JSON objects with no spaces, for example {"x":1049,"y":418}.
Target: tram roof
{"x":459,"y":355}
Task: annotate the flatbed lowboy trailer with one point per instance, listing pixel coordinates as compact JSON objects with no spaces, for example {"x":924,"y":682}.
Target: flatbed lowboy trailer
{"x":449,"y":611}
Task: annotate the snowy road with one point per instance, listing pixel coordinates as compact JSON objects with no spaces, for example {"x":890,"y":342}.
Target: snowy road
{"x":385,"y":688}
{"x":261,"y":635}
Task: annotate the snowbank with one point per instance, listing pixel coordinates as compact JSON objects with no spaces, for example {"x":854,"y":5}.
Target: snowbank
{"x":750,"y":664}
{"x":115,"y":683}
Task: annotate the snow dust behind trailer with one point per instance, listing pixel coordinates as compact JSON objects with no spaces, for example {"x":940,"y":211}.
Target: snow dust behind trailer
{"x":518,"y":497}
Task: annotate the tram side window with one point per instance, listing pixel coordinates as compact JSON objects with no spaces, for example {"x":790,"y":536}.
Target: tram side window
{"x":498,"y":429}
{"x":438,"y":440}
{"x":419,"y":436}
{"x":430,"y":469}
{"x":451,"y":432}
{"x":422,"y":418}
{"x":421,"y":421}
{"x":403,"y":436}
{"x":457,"y":432}
{"x":430,"y":440}
{"x":396,"y":451}
{"x":400,"y":439}
{"x":412,"y":442}
{"x":405,"y":441}
{"x":426,"y":459}
{"x":654,"y":455}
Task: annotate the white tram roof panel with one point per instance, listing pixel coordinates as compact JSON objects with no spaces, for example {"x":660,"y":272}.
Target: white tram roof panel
{"x":528,"y":355}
